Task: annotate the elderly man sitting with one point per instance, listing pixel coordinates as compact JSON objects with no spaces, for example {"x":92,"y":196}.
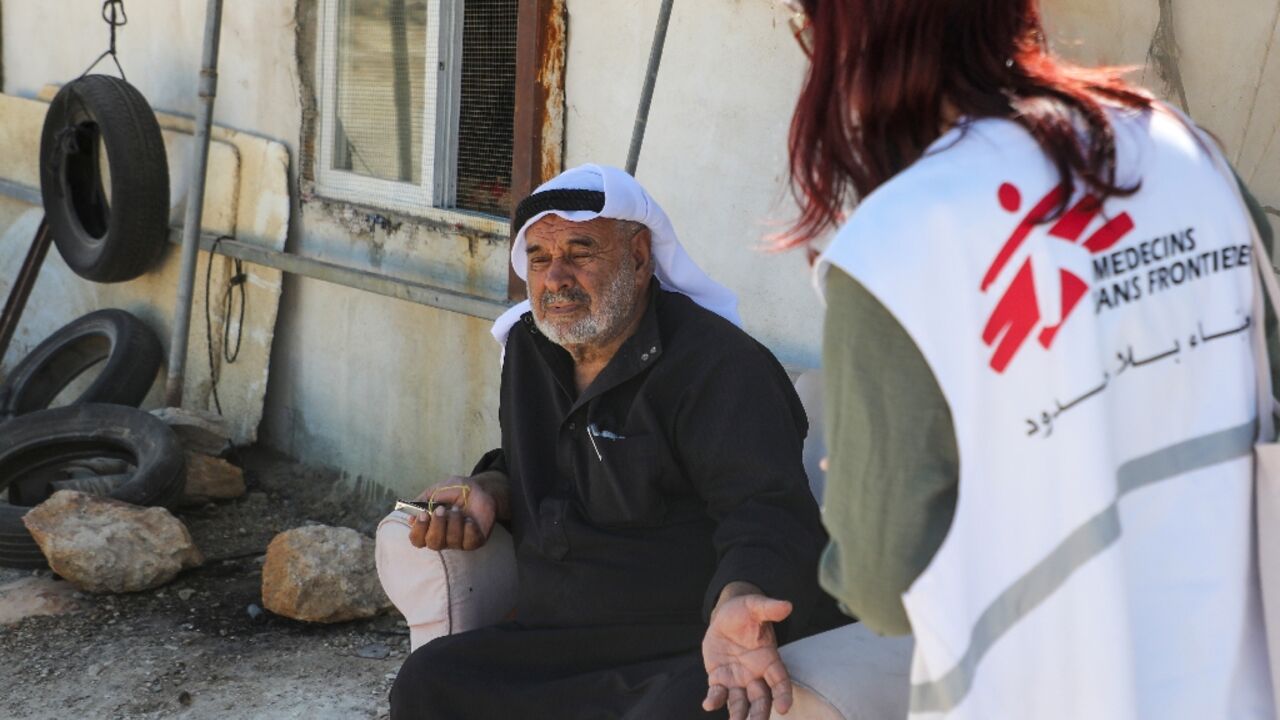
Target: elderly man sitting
{"x":650,"y":469}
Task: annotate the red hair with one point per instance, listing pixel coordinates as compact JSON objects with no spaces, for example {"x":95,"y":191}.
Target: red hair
{"x":883,"y":72}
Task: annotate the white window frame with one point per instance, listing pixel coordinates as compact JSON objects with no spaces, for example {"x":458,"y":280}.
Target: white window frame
{"x":437,"y":186}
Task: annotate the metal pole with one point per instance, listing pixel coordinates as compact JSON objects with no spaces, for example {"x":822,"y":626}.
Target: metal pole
{"x":650,"y":79}
{"x":195,"y":205}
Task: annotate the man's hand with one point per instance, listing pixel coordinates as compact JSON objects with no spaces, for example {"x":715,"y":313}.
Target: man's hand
{"x":452,"y":526}
{"x":740,"y":651}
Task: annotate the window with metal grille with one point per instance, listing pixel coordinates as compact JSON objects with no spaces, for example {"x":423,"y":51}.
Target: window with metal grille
{"x":488,"y":106}
{"x":417,"y":101}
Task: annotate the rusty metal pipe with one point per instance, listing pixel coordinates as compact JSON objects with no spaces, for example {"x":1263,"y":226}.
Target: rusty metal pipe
{"x":208,"y":87}
{"x":21,"y":289}
{"x":650,"y":79}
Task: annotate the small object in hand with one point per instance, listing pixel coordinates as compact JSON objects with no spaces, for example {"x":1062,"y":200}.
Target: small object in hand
{"x":413,"y":507}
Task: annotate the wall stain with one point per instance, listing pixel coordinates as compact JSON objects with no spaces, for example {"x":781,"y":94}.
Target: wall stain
{"x":377,"y":250}
{"x":1166,"y":56}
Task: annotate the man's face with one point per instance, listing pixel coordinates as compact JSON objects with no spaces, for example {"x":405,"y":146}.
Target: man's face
{"x":585,"y":278}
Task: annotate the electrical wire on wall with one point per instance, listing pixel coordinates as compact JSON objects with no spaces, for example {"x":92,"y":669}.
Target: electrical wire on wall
{"x":236,"y":281}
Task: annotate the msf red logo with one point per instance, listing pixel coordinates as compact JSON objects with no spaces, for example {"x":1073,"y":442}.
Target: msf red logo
{"x":1017,"y":314}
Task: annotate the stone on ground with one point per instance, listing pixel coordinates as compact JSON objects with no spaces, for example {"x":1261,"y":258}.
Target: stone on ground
{"x":104,"y":545}
{"x":198,"y":431}
{"x":210,"y":478}
{"x":322,"y":574}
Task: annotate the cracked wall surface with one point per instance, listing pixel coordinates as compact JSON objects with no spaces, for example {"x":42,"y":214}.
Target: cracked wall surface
{"x":1220,"y":61}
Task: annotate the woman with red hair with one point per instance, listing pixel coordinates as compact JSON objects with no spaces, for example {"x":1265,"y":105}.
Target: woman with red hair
{"x":1039,"y":352}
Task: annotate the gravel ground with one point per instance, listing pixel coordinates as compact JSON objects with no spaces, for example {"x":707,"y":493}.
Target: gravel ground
{"x":195,"y":648}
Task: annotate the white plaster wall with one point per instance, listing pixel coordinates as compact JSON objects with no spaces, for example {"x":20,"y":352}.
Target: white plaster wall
{"x":1229,"y":56}
{"x":389,"y":391}
{"x":392,"y":392}
{"x":52,"y":41}
{"x":714,"y":153}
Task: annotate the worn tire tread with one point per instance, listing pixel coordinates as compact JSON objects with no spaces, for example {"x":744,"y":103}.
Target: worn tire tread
{"x":138,"y":224}
{"x":158,"y":480}
{"x":129,"y":371}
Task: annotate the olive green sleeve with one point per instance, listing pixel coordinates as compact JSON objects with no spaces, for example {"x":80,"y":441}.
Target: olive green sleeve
{"x":892,"y":478}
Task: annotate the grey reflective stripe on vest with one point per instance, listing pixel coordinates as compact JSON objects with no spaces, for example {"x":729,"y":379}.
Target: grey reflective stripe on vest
{"x":1085,"y":543}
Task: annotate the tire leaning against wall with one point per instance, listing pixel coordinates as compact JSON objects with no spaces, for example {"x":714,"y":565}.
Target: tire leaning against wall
{"x":129,"y":351}
{"x":35,"y":442}
{"x":100,"y":241}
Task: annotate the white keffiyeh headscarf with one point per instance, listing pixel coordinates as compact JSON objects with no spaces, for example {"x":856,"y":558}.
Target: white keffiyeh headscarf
{"x":574,"y":195}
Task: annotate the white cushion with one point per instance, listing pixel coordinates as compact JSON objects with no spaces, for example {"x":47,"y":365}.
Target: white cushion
{"x":446,"y":592}
{"x":849,"y":673}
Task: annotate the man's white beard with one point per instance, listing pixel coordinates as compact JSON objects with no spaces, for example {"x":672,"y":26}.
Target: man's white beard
{"x":605,"y":314}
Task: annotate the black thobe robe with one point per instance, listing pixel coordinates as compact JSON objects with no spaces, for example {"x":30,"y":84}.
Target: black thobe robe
{"x":633,"y":504}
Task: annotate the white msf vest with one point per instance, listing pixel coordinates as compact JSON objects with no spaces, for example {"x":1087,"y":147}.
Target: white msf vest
{"x":1100,"y":379}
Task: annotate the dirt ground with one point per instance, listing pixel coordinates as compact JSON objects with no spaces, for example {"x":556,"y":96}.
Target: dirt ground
{"x":195,"y":648}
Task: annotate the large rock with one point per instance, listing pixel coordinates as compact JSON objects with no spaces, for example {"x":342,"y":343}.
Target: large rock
{"x":322,"y":574}
{"x":198,"y":431}
{"x":104,"y":545}
{"x":211,"y":478}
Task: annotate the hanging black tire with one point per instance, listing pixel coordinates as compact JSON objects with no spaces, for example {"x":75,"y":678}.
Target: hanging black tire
{"x":33,"y":444}
{"x":105,"y":238}
{"x":130,"y":349}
